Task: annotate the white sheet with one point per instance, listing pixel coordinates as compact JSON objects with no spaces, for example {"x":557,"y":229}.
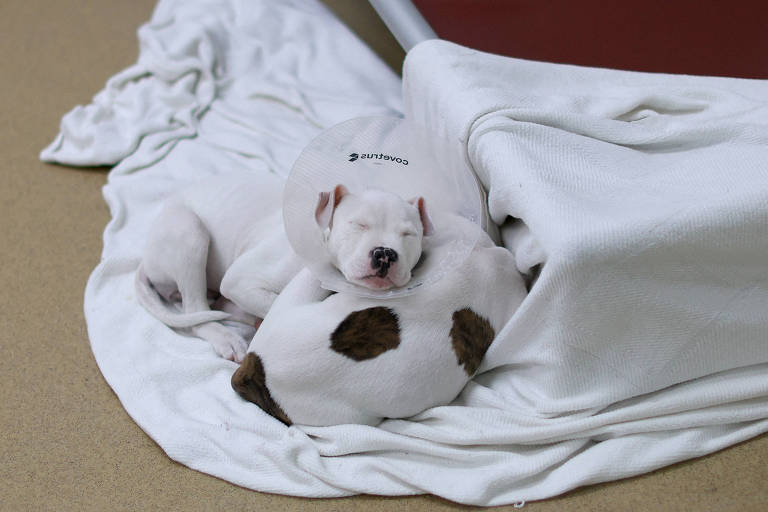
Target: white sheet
{"x":239,"y":86}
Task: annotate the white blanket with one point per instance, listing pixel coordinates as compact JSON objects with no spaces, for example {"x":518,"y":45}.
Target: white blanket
{"x":653,"y":233}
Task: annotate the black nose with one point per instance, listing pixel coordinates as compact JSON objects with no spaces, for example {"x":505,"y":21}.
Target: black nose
{"x":381,"y":259}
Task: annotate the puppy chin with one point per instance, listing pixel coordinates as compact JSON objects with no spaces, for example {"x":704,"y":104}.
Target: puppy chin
{"x":361,"y":274}
{"x":375,"y":282}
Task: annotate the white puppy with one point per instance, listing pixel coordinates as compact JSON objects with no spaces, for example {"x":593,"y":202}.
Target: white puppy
{"x":322,"y":359}
{"x":224,"y":236}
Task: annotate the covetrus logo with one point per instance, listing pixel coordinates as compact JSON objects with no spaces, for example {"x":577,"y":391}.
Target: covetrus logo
{"x":353,"y":157}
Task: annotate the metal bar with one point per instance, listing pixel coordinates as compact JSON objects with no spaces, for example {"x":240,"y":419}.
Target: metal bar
{"x":404,"y":20}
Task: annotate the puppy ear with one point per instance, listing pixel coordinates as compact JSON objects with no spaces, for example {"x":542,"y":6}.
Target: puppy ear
{"x":326,"y":205}
{"x":426,"y":222}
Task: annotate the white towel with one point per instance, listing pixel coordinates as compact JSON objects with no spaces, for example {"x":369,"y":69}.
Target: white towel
{"x":239,"y":86}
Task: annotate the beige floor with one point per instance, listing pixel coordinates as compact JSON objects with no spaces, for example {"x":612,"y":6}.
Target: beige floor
{"x":67,"y":444}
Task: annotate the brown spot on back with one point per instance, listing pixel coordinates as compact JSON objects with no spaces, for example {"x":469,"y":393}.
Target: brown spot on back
{"x":367,"y":333}
{"x":471,"y":335}
{"x":250,"y":383}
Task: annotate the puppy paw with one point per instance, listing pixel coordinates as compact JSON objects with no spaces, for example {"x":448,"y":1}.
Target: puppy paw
{"x":231,"y":350}
{"x":225,"y":342}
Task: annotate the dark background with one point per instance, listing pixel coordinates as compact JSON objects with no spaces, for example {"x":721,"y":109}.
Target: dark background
{"x":704,"y":37}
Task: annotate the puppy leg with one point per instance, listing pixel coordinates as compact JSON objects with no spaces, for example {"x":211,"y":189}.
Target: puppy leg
{"x":242,"y":322}
{"x":177,"y":255}
{"x":236,"y":314}
{"x":245,"y":287}
{"x":193,"y":288}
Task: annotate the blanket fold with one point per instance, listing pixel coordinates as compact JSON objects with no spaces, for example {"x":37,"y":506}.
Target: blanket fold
{"x":647,"y":194}
{"x":643,"y":198}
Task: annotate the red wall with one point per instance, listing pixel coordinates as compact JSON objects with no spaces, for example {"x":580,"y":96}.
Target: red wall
{"x":708,"y":37}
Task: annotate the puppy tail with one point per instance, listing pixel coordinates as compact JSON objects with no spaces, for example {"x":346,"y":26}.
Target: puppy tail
{"x":155,"y":305}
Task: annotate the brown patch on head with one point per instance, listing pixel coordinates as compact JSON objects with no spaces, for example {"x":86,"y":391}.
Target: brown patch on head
{"x":471,"y":335}
{"x":250,"y":383}
{"x":367,"y":333}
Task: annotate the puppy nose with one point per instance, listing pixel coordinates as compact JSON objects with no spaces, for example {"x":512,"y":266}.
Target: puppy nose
{"x":383,"y":255}
{"x":381,"y":259}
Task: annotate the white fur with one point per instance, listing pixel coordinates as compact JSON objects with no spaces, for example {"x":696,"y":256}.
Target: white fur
{"x":225,"y":235}
{"x":222,"y":234}
{"x":359,"y":223}
{"x":315,"y":385}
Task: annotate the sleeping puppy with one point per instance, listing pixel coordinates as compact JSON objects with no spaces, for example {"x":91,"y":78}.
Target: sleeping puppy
{"x":224,"y":237}
{"x":321,"y":359}
{"x":374,"y":238}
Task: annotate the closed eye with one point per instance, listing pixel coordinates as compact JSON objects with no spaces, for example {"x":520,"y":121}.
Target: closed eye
{"x":408,"y":233}
{"x":361,"y":226}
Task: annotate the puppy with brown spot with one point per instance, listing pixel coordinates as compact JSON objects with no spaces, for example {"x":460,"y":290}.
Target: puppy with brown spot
{"x":326,"y":359}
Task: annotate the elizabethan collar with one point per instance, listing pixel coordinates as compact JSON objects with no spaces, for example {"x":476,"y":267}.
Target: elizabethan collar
{"x":393,"y":155}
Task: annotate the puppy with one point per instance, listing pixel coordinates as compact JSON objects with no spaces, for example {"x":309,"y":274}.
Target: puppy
{"x":322,"y":359}
{"x":223,"y":239}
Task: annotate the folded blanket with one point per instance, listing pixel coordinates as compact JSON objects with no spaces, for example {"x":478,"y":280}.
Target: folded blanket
{"x":644,"y":199}
{"x":642,"y":342}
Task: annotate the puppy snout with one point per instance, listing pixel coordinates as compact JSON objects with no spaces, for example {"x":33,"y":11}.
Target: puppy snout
{"x":381,"y":259}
